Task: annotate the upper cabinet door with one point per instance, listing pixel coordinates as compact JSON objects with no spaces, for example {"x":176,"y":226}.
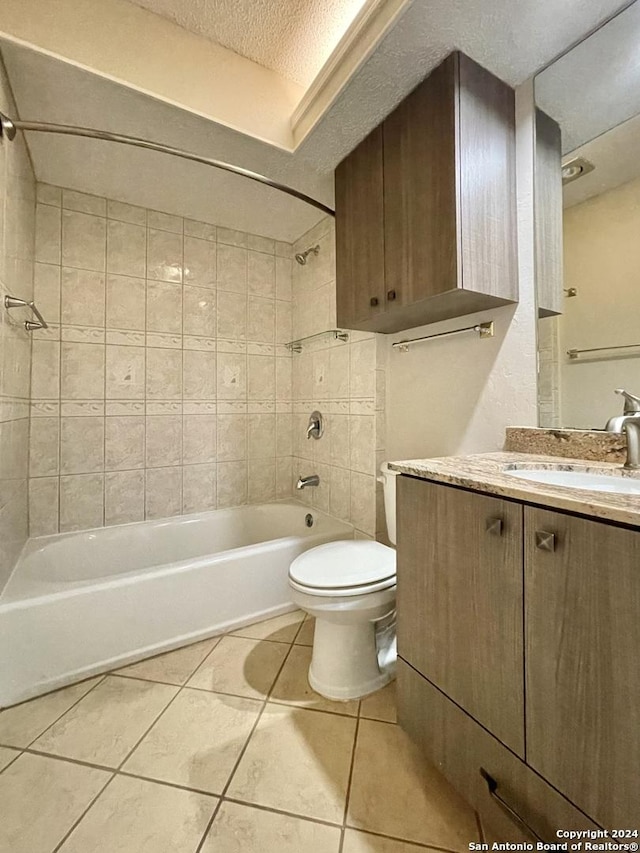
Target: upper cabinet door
{"x":420,"y":191}
{"x":441,"y":173}
{"x":582,"y":594}
{"x":360,"y":233}
{"x":460,"y":600}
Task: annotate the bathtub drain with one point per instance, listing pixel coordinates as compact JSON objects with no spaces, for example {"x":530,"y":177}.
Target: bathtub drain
{"x":308,"y":520}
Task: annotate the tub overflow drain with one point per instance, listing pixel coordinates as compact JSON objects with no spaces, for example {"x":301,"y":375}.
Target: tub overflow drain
{"x":308,"y":520}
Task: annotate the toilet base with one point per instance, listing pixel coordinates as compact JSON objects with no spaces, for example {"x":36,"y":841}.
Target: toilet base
{"x":344,"y":663}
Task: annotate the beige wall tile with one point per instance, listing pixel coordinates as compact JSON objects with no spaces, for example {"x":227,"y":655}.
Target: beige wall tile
{"x":231,"y":376}
{"x":200,"y":261}
{"x":199,"y":488}
{"x":126,"y":212}
{"x":81,"y":501}
{"x":43,"y":447}
{"x":363,"y":502}
{"x":126,"y":302}
{"x":123,"y":497}
{"x":202,"y":230}
{"x":84,"y":241}
{"x":82,"y":371}
{"x":261,"y":377}
{"x":283,"y":434}
{"x":164,"y":255}
{"x":199,"y":438}
{"x":83,"y":297}
{"x":283,"y":270}
{"x":163,"y":440}
{"x":199,"y":311}
{"x":125,"y":373}
{"x":363,"y":369}
{"x":43,"y":506}
{"x":126,"y":248}
{"x":261,"y":436}
{"x":232,"y":237}
{"x":231,"y":267}
{"x":124,"y":442}
{"x":199,"y":372}
{"x":164,"y":307}
{"x":232,"y":483}
{"x":164,"y":221}
{"x":48,"y":194}
{"x":362,"y":443}
{"x":232,"y":316}
{"x":340,"y":493}
{"x":164,"y":374}
{"x":284,"y":332}
{"x":81,"y":445}
{"x":83,"y":203}
{"x":48,"y":234}
{"x":231,"y":437}
{"x":163,"y":492}
{"x":284,"y":477}
{"x":46,"y":291}
{"x":262,"y":481}
{"x":261,"y":274}
{"x":261,"y":244}
{"x":260,"y":320}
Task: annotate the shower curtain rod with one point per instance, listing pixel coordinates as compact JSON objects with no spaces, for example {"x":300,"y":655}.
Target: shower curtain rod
{"x":9,"y":127}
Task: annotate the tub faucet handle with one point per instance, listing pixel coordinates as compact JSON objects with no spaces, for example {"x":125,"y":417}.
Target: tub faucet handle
{"x":316,"y":425}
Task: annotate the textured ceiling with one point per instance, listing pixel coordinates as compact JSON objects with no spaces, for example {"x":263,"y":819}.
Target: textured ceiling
{"x":597,"y":84}
{"x":616,"y":157}
{"x":292,"y":37}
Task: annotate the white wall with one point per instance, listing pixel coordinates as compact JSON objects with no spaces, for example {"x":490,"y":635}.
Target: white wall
{"x":601,"y":260}
{"x":457,"y":395}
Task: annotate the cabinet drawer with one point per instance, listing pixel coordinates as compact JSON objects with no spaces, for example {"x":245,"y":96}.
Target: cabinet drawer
{"x":459,"y":747}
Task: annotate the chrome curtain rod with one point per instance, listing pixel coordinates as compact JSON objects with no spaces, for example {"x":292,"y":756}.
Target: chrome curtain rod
{"x":9,"y":127}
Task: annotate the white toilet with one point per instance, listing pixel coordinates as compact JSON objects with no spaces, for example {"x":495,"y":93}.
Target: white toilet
{"x":350,"y":588}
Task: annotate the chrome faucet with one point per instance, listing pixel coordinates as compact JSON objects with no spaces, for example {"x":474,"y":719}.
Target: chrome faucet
{"x":632,"y":428}
{"x":316,"y":425}
{"x":631,"y":410}
{"x":311,"y":480}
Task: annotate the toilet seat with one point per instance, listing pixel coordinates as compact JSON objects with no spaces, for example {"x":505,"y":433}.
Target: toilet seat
{"x":344,"y":568}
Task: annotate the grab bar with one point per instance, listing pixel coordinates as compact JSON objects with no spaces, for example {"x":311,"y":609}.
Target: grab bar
{"x":30,"y":325}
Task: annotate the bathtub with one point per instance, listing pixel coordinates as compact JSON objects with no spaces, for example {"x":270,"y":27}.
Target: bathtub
{"x":82,"y":603}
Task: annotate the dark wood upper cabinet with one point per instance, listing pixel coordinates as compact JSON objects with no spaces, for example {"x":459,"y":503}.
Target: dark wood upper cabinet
{"x":425,"y":206}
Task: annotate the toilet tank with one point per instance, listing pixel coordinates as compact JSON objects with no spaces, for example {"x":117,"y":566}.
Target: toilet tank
{"x":388,"y":479}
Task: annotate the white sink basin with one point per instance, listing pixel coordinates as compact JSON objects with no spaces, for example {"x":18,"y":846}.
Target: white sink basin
{"x":592,"y":482}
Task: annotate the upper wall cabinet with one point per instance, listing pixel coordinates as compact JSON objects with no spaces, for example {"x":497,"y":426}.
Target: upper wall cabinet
{"x":425,"y":206}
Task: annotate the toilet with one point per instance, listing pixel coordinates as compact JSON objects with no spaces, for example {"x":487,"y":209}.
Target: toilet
{"x":350,"y":589}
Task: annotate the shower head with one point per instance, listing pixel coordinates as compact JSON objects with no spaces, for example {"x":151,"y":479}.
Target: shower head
{"x":301,"y":257}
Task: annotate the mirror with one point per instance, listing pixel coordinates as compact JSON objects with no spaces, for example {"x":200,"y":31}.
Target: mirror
{"x":588,"y":259}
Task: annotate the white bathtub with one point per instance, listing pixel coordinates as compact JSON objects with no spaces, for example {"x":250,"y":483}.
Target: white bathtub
{"x":82,"y":603}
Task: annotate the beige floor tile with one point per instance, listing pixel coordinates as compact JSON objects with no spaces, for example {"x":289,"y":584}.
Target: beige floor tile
{"x":7,"y":756}
{"x":281,"y":629}
{"x":242,"y":829}
{"x":22,"y":724}
{"x":305,"y":634}
{"x":297,"y":761}
{"x":362,"y":842}
{"x":292,"y":686}
{"x":136,"y":816}
{"x":241,"y":666}
{"x":197,"y":741}
{"x":380,"y":705}
{"x":172,"y":667}
{"x":105,"y":726}
{"x":396,"y":792}
{"x":41,"y":800}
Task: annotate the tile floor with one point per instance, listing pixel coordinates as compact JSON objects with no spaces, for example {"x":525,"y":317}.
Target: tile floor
{"x":220,"y":747}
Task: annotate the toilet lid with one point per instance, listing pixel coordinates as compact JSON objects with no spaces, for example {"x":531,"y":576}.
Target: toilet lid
{"x":344,"y":565}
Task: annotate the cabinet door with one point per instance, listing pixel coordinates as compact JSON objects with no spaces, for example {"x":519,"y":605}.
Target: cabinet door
{"x":420,"y":191}
{"x":582,"y":593}
{"x":459,"y":747}
{"x":460,"y":600}
{"x":360,"y":233}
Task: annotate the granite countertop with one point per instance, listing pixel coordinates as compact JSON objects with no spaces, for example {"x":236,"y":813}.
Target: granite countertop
{"x":485,"y":472}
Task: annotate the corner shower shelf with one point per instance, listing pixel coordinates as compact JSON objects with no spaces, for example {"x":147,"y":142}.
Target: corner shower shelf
{"x":336,"y":334}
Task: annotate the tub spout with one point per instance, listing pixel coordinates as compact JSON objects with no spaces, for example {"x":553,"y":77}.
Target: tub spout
{"x":303,"y":482}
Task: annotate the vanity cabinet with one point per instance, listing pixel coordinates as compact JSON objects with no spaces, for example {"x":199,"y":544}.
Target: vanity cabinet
{"x":425,"y":206}
{"x":582,"y":599}
{"x":460,"y":600}
{"x":519,"y":650}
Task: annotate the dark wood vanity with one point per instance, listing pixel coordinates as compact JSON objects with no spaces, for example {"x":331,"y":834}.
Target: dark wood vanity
{"x":519,"y":649}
